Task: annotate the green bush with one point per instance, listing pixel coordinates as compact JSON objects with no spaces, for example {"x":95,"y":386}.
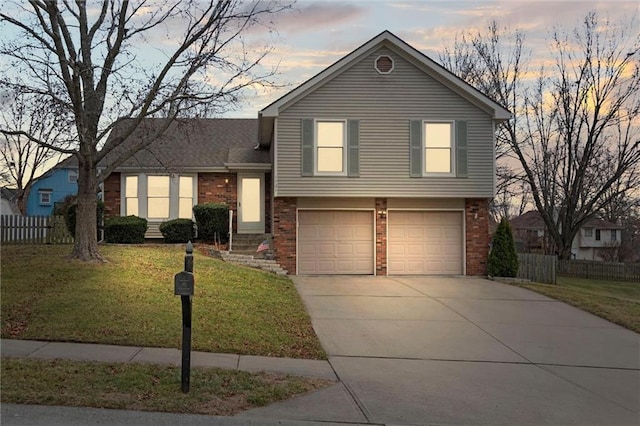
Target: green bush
{"x":68,"y":207}
{"x":125,"y":229}
{"x":177,"y":230}
{"x":503,"y":258}
{"x":213,"y":221}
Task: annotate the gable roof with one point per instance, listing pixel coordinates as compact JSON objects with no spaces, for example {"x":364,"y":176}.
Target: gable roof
{"x":193,"y":144}
{"x":387,"y":39}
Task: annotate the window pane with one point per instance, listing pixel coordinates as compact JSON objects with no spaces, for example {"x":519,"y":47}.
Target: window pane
{"x":186,"y":186}
{"x":330,"y":160}
{"x":251,"y":200}
{"x":158,"y":208}
{"x":158,"y":186}
{"x":330,"y":133}
{"x":437,"y":135}
{"x":185,"y":209}
{"x":131,"y":186}
{"x":437,"y":160}
{"x":131,"y":206}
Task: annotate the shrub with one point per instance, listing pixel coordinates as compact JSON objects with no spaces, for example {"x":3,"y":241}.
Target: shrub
{"x":503,"y":259}
{"x":125,"y":229}
{"x":68,"y":209}
{"x":177,"y":230}
{"x":212,"y":220}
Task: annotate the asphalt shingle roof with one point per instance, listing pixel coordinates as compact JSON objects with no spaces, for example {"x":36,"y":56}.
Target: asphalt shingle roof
{"x":192,"y":143}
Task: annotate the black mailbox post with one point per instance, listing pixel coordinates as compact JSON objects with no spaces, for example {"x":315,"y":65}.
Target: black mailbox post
{"x":184,"y":284}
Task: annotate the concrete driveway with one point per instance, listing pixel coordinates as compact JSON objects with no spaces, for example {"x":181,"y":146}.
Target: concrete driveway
{"x":424,"y":350}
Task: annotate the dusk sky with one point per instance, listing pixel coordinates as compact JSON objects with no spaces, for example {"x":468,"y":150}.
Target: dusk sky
{"x":317,"y":33}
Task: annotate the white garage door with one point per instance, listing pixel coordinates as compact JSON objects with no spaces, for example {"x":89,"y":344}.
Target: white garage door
{"x":424,"y":243}
{"x":335,"y":242}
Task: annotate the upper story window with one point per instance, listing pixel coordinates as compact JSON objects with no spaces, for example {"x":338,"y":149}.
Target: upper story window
{"x":330,"y":147}
{"x":588,"y":232}
{"x":73,"y":176}
{"x":45,"y":197}
{"x":597,"y":235}
{"x":438,"y":145}
{"x":614,"y":235}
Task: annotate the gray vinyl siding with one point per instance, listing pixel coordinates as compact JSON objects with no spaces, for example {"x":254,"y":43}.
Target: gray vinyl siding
{"x":384,"y":104}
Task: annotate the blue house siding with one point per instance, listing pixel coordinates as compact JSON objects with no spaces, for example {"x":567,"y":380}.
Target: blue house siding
{"x":58,"y":182}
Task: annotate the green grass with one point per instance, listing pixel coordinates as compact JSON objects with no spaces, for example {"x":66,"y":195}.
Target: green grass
{"x":130,"y":301}
{"x":616,"y":301}
{"x":144,"y":387}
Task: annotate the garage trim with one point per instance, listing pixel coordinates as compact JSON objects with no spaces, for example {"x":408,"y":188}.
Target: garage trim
{"x":464,"y":231}
{"x":371,"y":210}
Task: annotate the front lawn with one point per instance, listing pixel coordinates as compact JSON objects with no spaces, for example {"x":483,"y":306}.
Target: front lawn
{"x":145,"y":387}
{"x":616,"y":301}
{"x":130,"y":301}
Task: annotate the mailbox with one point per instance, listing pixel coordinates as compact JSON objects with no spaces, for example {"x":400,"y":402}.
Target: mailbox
{"x":184,"y":283}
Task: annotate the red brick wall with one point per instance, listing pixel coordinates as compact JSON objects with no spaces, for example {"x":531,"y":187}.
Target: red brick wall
{"x":381,"y":237}
{"x":112,"y":195}
{"x":219,"y":188}
{"x":267,"y":203}
{"x":284,"y":232}
{"x":476,"y":211}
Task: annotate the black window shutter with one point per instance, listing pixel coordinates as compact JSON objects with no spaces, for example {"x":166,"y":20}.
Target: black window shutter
{"x":461,"y":149}
{"x":353,"y":148}
{"x":415,"y":153}
{"x":307,"y":147}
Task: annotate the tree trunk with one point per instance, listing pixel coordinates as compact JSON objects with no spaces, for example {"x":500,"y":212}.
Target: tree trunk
{"x":85,"y":246}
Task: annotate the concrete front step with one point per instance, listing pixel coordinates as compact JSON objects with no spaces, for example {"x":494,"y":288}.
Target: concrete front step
{"x":268,"y":265}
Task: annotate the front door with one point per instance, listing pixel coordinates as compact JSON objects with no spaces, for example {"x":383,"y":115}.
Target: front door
{"x":250,"y":203}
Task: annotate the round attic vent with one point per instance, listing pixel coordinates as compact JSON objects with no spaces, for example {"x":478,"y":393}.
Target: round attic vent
{"x":384,"y":64}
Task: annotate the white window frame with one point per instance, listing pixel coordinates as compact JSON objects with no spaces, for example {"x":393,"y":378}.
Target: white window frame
{"x":316,"y":148}
{"x":452,"y":149}
{"x":143,"y":194}
{"x":588,"y":232}
{"x":41,"y":195}
{"x":125,"y":199}
{"x":614,"y":236}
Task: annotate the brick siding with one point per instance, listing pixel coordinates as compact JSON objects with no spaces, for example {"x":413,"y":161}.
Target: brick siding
{"x":111,"y":188}
{"x":477,"y":237}
{"x":381,"y":236}
{"x":284,"y":232}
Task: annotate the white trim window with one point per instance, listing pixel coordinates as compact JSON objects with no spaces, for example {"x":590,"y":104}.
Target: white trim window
{"x":45,"y":196}
{"x":131,"y":196}
{"x":330,"y":147}
{"x":439,"y":148}
{"x":159,"y":197}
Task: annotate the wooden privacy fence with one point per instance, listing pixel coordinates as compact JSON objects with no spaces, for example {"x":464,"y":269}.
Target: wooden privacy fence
{"x":539,"y":268}
{"x":599,"y":270}
{"x":33,"y":230}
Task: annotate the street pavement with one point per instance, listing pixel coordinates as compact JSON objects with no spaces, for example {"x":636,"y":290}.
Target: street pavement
{"x":412,"y":350}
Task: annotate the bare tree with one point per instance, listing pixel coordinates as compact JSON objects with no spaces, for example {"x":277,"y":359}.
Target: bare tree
{"x":103,"y":60}
{"x":575,"y":135}
{"x":581,"y":138}
{"x":494,"y":61}
{"x":21,"y":159}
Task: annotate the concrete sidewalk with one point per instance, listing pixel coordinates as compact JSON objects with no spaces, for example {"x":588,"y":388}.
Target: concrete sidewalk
{"x":314,"y":404}
{"x":113,"y":353}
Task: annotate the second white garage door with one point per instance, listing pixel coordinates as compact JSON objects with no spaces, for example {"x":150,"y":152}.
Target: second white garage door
{"x":424,"y":243}
{"x":335,"y":242}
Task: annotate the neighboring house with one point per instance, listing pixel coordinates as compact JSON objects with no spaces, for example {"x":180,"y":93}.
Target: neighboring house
{"x":595,"y":240}
{"x":52,"y":187}
{"x":383,"y":163}
{"x":8,"y":204}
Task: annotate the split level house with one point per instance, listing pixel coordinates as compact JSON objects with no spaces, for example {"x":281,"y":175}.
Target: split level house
{"x":383,"y":163}
{"x":595,"y":239}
